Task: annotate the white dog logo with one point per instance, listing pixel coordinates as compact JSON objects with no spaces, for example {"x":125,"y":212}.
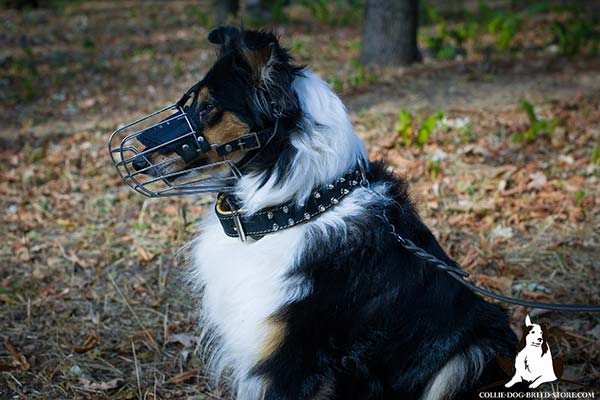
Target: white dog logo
{"x":534,"y":360}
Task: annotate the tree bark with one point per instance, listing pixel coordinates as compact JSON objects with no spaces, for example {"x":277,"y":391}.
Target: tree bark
{"x":390,"y":33}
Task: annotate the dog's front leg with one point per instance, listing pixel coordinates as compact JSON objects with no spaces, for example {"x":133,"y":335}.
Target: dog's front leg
{"x":515,"y":379}
{"x":313,"y":388}
{"x":538,"y":381}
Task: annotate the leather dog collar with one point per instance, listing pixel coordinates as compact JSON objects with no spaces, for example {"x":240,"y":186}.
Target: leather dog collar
{"x":236,"y":223}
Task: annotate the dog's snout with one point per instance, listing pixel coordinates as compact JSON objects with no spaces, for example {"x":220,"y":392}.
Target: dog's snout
{"x":139,"y":163}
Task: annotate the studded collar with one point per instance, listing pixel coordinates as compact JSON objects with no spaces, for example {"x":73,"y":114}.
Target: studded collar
{"x":236,"y":223}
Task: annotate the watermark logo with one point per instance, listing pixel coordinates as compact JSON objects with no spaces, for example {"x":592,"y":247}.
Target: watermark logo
{"x":534,"y":363}
{"x":533,"y":366}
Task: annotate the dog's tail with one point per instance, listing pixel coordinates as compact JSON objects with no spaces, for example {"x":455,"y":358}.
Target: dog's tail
{"x":458,"y":373}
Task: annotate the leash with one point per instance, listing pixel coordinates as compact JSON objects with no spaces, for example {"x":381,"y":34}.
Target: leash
{"x":459,"y":274}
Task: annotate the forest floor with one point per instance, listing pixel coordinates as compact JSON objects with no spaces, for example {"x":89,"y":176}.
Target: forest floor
{"x":92,"y":303}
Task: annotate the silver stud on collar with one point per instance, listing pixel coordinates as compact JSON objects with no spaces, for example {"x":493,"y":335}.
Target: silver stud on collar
{"x":354,"y":183}
{"x":330,"y":186}
{"x":275,"y":227}
{"x":317,"y":195}
{"x":344,"y":191}
{"x":270,"y":215}
{"x":342,"y":180}
{"x":306,"y":216}
{"x":334,"y":200}
{"x":285,"y":209}
{"x":228,"y":148}
{"x":291,"y":222}
{"x":321,"y":208}
{"x":185,"y":147}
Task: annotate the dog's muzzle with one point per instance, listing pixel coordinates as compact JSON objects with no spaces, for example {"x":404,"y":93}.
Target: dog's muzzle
{"x":148,"y":153}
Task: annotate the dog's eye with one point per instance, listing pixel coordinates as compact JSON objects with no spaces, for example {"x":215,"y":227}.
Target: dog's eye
{"x":205,"y":109}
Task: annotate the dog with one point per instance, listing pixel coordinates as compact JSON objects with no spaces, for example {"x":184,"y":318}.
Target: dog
{"x":534,"y":362}
{"x":304,"y":292}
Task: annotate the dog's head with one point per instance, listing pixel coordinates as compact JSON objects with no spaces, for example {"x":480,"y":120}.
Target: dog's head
{"x":534,"y":335}
{"x":248,"y":89}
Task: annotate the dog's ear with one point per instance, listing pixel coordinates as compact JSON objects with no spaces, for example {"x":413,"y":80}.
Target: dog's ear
{"x":268,"y":66}
{"x":257,"y":49}
{"x":227,"y":36}
{"x":528,"y":321}
{"x":260,"y":50}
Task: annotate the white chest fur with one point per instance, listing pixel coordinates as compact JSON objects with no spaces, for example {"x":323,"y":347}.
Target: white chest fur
{"x":243,"y":285}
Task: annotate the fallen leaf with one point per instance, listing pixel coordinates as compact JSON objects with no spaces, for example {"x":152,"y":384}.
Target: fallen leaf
{"x":19,"y":361}
{"x":143,"y":253}
{"x":183,"y":377}
{"x":5,"y":299}
{"x":537,"y":180}
{"x":500,"y":283}
{"x":185,"y":339}
{"x":112,"y":384}
{"x":89,"y":343}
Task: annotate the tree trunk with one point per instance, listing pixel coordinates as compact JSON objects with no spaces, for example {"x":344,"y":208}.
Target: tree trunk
{"x":226,"y":8}
{"x":390,"y":33}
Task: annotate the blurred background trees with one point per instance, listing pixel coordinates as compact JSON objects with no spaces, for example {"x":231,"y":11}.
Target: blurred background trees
{"x":390,"y":32}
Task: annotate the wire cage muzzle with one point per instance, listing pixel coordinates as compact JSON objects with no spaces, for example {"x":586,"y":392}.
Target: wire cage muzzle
{"x":157,"y":156}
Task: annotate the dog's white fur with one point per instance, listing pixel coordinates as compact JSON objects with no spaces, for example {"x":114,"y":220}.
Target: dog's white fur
{"x":531,"y":364}
{"x":243,"y":284}
{"x":328,"y":149}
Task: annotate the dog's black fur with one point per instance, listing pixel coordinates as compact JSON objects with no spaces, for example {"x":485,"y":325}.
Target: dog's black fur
{"x":380,"y":322}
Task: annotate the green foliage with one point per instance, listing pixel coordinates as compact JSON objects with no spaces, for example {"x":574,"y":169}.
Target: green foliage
{"x":28,"y":87}
{"x":143,"y":53}
{"x":434,"y":167}
{"x":574,"y":34}
{"x":596,"y":154}
{"x":445,"y":42}
{"x":504,"y":26}
{"x":537,"y":126}
{"x":404,"y":126}
{"x":337,"y":12}
{"x":296,"y":46}
{"x":202,"y":16}
{"x":360,"y":76}
{"x":277,"y":12}
{"x":579,"y":196}
{"x":427,"y":128}
{"x":179,"y":70}
{"x":25,"y":69}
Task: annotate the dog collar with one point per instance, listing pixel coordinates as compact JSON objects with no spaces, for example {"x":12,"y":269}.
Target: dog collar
{"x":237,"y":223}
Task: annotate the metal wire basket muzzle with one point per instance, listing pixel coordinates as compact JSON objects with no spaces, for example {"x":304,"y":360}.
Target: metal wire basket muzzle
{"x":159,"y":155}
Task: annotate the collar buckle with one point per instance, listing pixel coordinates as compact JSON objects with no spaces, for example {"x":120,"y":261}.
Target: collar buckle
{"x":249,"y":141}
{"x":237,"y":221}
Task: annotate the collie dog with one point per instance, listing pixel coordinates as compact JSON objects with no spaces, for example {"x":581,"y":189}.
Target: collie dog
{"x":534,"y":362}
{"x":320,"y":301}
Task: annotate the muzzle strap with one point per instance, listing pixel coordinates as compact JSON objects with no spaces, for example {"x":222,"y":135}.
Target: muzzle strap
{"x":247,"y":142}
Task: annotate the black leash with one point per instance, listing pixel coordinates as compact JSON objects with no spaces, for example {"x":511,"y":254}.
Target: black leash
{"x":459,"y":275}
